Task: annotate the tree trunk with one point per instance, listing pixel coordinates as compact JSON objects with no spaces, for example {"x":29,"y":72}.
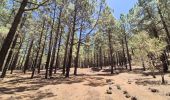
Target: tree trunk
{"x":38,"y":50}
{"x":42,"y":53}
{"x":111,"y":52}
{"x":8,"y":40}
{"x":28,"y":56}
{"x":55,"y":44}
{"x":50,"y":46}
{"x":23,"y":58}
{"x":9,"y":57}
{"x":127,"y":51}
{"x":143,"y":64}
{"x":66,"y":52}
{"x":101,"y":63}
{"x":16,"y":57}
{"x":78,"y":50}
{"x":72,"y":41}
{"x":58,"y":51}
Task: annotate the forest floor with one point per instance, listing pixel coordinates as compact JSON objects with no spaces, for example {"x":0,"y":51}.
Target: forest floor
{"x":90,"y":84}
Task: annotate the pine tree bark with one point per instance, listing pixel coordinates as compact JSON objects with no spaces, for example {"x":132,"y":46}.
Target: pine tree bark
{"x":101,"y":63}
{"x":38,"y":50}
{"x":78,"y":50}
{"x":50,"y":45}
{"x":72,"y":41}
{"x":8,"y":40}
{"x":111,"y":52}
{"x":23,"y":58}
{"x":58,"y":51}
{"x":28,"y":56}
{"x":127,"y":49}
{"x":66,"y":51}
{"x":9,"y":57}
{"x":55,"y":44}
{"x":42,"y":52}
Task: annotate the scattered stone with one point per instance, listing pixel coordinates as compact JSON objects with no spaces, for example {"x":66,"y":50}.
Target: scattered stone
{"x":127,"y":96}
{"x":145,"y":84}
{"x":129,"y":82}
{"x":168,"y":94}
{"x":110,"y":88}
{"x":12,"y":98}
{"x":125,"y":92}
{"x":154,"y":90}
{"x":109,"y":91}
{"x":111,"y":82}
{"x":133,"y":98}
{"x":118,"y":87}
{"x":108,"y":80}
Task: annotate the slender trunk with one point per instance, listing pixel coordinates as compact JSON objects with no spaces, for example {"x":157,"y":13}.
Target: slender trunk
{"x":111,"y":52}
{"x":78,"y":50}
{"x":9,"y":57}
{"x":163,"y":79}
{"x":72,"y":41}
{"x":55,"y":45}
{"x":94,"y":62}
{"x":11,"y":61}
{"x":28,"y":56}
{"x":33,"y":69}
{"x":42,"y":53}
{"x":16,"y":57}
{"x":8,"y":40}
{"x":127,"y":51}
{"x":58,"y":51}
{"x":38,"y":51}
{"x":143,"y":64}
{"x":97,"y":57}
{"x":66,"y":52}
{"x":19,"y":63}
{"x":50,"y":45}
{"x":101,"y":63}
{"x":23,"y":58}
{"x":8,"y":60}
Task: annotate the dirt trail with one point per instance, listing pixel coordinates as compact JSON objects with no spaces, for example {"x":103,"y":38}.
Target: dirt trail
{"x":88,"y":85}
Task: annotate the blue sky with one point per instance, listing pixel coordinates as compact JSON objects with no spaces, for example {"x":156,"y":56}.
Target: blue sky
{"x":121,"y":6}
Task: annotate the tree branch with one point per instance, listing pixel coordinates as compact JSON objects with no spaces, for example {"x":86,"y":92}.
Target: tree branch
{"x":38,"y":5}
{"x":88,"y":33}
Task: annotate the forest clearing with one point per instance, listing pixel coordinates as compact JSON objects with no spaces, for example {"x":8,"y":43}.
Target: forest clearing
{"x":84,"y":49}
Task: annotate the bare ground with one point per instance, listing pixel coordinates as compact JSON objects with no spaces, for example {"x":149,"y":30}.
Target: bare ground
{"x":90,"y":84}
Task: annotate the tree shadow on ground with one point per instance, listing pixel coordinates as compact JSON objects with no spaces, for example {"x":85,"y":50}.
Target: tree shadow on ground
{"x":140,"y":71}
{"x":21,"y":84}
{"x":96,"y":69}
{"x":38,"y":96}
{"x":148,"y":82}
{"x":105,"y":74}
{"x":12,"y":90}
{"x":13,"y":85}
{"x":106,"y":70}
{"x":156,"y":73}
{"x":95,"y":81}
{"x":134,"y":71}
